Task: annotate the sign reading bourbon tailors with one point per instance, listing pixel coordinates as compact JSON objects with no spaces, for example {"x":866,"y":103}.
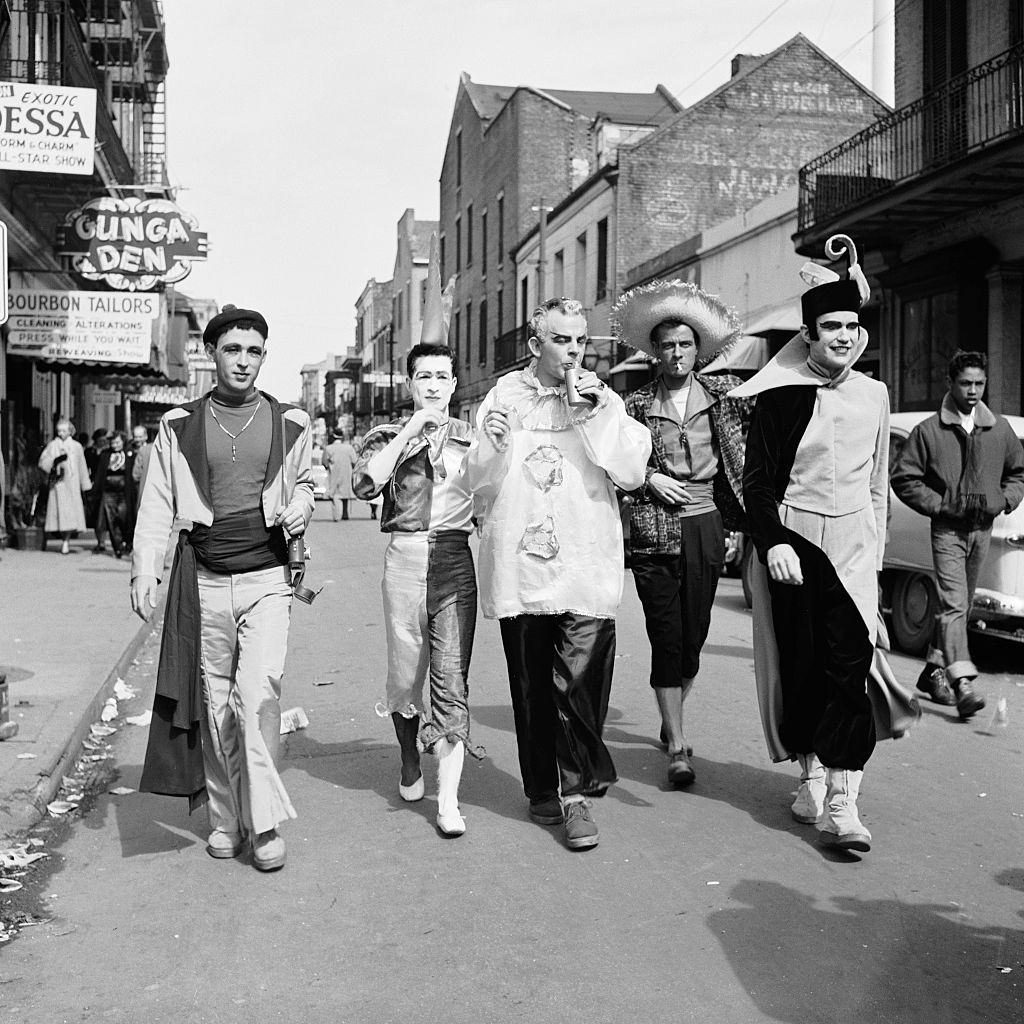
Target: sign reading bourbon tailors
{"x":131,"y":244}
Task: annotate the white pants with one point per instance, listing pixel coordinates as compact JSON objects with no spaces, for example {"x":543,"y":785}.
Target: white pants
{"x":245,"y":620}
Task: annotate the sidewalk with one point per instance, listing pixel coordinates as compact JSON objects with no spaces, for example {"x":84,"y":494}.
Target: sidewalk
{"x":67,"y":632}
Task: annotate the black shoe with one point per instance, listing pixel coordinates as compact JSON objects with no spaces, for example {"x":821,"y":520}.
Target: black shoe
{"x":546,"y":812}
{"x":680,"y":771}
{"x":932,"y":681}
{"x":967,"y":701}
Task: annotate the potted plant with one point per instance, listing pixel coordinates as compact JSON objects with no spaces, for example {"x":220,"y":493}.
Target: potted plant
{"x":26,"y":508}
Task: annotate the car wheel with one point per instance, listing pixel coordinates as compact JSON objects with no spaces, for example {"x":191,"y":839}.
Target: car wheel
{"x":745,"y":569}
{"x":914,"y":606}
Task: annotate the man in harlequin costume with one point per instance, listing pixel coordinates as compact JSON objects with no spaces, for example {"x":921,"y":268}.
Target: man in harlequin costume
{"x":429,"y":582}
{"x":815,"y":489}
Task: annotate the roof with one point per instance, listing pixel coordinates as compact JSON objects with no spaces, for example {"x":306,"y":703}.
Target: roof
{"x":753,"y":65}
{"x":624,"y":107}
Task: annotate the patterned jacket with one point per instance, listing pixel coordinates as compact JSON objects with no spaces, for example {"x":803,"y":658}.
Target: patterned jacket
{"x":655,"y":527}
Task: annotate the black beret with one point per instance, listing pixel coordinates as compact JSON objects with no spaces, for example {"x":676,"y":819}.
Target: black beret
{"x":227,"y":318}
{"x":833,"y":297}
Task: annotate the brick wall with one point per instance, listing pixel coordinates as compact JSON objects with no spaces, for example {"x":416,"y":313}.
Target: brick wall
{"x":743,"y":143}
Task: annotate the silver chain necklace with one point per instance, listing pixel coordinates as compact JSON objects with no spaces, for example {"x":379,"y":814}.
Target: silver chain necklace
{"x":234,"y":437}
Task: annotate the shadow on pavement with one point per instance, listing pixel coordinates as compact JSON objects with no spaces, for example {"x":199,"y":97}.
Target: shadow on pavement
{"x":843,"y":958}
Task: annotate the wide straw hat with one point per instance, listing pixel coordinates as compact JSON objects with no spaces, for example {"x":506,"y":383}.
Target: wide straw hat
{"x":641,"y":309}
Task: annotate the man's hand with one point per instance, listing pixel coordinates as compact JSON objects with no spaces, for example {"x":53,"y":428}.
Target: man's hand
{"x":589,"y":385}
{"x":784,"y":565}
{"x":497,"y":426}
{"x":422,"y":421}
{"x":144,"y":596}
{"x":292,"y":520}
{"x":668,"y":490}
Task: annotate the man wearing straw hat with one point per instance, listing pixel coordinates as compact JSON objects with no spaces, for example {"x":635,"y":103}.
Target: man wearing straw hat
{"x":693,"y":482}
{"x":429,"y":581}
{"x":237,"y":464}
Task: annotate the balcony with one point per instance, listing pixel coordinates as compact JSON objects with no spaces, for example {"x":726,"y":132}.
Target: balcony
{"x":510,"y":350}
{"x":956,"y":149}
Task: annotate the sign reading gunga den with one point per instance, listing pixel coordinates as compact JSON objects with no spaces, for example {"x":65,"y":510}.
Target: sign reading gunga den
{"x":94,"y":327}
{"x":132,"y":244}
{"x":50,"y":128}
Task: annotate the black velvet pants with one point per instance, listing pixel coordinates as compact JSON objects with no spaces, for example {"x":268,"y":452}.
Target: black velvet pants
{"x":560,"y":676}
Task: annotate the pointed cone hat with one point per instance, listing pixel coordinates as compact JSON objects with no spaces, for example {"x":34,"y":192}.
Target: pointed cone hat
{"x":436,"y":311}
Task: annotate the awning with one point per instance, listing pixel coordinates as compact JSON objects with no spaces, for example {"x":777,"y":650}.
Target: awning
{"x":747,"y":354}
{"x":635,"y":363}
{"x":786,"y":316}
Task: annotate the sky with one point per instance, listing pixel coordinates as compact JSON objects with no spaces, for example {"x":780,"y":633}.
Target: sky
{"x":299,"y":131}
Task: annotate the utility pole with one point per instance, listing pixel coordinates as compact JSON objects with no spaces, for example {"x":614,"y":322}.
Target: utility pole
{"x":542,"y":210}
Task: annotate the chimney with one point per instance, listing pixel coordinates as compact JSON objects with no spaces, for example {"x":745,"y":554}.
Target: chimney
{"x":742,"y":61}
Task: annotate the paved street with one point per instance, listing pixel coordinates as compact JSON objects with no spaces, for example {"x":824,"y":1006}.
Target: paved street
{"x":708,"y":905}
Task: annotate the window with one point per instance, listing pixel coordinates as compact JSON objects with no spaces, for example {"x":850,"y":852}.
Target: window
{"x":501,"y":228}
{"x":469,"y":235}
{"x":408,"y":301}
{"x":469,"y":330}
{"x":482,"y":339}
{"x":483,"y":241}
{"x":930,"y":332}
{"x":458,"y":158}
{"x":458,"y":244}
{"x":455,"y":333}
{"x":499,"y":325}
{"x":602,"y":259}
{"x":524,"y":299}
{"x":558,"y":287}
{"x":581,"y":268}
{"x":441,"y":257}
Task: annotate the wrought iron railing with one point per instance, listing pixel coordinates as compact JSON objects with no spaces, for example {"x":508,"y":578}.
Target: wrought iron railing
{"x":967,"y":114}
{"x":510,"y":349}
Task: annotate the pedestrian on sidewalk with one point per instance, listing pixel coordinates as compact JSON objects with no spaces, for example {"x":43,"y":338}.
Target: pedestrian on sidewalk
{"x":93,"y":450}
{"x":339,"y":459}
{"x":543,"y":473}
{"x":815,"y":488}
{"x":237,"y":464}
{"x":64,"y":461}
{"x":115,"y":491}
{"x":961,"y":467}
{"x":429,"y":581}
{"x":693,"y":485}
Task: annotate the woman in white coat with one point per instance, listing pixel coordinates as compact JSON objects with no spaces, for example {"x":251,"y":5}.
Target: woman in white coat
{"x":64,"y":460}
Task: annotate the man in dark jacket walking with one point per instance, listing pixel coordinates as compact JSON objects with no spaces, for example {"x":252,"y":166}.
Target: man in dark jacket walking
{"x":961,"y":467}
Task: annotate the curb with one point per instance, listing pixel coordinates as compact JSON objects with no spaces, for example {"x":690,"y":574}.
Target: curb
{"x":50,"y":776}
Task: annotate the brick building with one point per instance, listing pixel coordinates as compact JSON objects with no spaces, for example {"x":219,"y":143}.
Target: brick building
{"x":508,"y":148}
{"x":373,"y":398}
{"x":409,"y":282}
{"x":738,"y":146}
{"x":934,"y":193}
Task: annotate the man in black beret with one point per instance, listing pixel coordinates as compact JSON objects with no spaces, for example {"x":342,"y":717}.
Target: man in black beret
{"x":237,"y":464}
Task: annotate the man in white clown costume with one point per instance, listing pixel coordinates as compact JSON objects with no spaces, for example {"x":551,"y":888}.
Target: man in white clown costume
{"x":815,"y":487}
{"x":543,"y":472}
{"x":429,"y":582}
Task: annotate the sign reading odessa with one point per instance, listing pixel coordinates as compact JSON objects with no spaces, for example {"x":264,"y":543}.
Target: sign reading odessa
{"x":132,"y":244}
{"x":50,"y":128}
{"x":90,"y":327}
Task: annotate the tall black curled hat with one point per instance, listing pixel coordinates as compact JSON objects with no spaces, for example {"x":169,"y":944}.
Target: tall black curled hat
{"x":831,"y":292}
{"x":228,"y":317}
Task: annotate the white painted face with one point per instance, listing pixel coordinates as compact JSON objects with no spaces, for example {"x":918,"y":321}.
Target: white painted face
{"x":562,"y":346}
{"x":838,"y":334}
{"x":63,"y":430}
{"x":432,"y":383}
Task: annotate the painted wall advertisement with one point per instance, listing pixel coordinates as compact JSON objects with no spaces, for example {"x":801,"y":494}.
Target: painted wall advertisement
{"x":92,"y":327}
{"x":47,"y":128}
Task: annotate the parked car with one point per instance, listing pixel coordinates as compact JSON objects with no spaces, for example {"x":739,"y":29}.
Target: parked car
{"x":908,"y":587}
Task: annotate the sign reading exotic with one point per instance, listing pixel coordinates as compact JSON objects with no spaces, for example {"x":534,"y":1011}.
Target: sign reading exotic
{"x":48,"y":128}
{"x":131,"y":244}
{"x":91,"y":327}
